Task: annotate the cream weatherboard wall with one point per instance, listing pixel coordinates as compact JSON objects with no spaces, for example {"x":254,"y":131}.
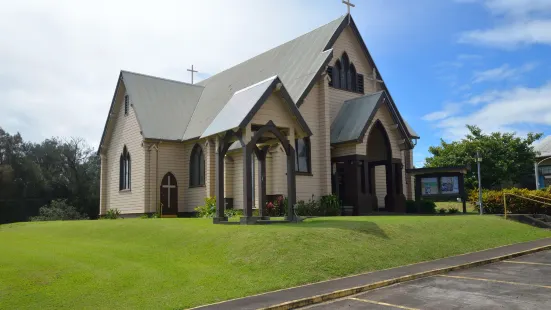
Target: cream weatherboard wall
{"x":174,"y":157}
{"x":348,"y":42}
{"x":124,"y":130}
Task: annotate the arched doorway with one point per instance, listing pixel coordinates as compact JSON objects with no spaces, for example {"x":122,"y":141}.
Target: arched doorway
{"x":379,"y":158}
{"x":169,"y":195}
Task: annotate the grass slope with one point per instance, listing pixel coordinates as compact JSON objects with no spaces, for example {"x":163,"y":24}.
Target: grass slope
{"x":179,"y":263}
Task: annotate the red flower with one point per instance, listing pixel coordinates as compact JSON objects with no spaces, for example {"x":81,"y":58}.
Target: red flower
{"x":269,"y":205}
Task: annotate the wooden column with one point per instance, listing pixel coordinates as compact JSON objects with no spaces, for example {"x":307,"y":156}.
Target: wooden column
{"x":291,"y":183}
{"x":247,"y":184}
{"x":261,"y":155}
{"x":462,"y":192}
{"x":219,"y":186}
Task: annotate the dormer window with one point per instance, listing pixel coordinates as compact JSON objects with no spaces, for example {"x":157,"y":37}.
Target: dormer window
{"x":126,"y":104}
{"x":344,"y":75}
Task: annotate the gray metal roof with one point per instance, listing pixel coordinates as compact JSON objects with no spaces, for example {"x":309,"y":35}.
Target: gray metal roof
{"x":244,"y":103}
{"x":354,"y":117}
{"x":412,"y":132}
{"x":173,"y":110}
{"x":296,"y":63}
{"x":544,"y":147}
{"x":163,"y":107}
{"x":238,"y":107}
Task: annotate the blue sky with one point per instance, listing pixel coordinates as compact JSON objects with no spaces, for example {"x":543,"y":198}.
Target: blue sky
{"x":451,"y":63}
{"x":447,"y":63}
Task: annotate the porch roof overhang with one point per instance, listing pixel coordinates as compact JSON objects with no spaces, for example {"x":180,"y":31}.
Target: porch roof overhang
{"x":356,"y":115}
{"x":244,"y":104}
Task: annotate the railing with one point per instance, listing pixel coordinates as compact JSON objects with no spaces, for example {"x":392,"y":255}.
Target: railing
{"x":519,"y":196}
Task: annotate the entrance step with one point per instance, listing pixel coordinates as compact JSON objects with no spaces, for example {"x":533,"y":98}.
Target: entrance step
{"x":532,"y":219}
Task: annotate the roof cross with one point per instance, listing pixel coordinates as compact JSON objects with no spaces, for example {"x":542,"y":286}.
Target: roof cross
{"x":192,"y":71}
{"x":348,"y":5}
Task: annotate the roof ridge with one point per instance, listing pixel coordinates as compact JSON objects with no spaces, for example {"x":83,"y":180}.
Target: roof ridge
{"x":273,"y":48}
{"x":160,"y":78}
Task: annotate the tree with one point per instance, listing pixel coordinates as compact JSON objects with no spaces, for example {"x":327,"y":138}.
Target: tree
{"x":507,"y":158}
{"x":34,"y":174}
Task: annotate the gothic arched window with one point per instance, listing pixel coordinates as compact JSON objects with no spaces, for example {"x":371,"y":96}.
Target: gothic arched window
{"x":125,"y":170}
{"x":197,"y":167}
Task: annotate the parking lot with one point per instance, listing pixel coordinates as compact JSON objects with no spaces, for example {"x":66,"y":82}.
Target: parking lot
{"x":521,"y":283}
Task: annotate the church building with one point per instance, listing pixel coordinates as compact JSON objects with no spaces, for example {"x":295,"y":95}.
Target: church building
{"x":309,"y":118}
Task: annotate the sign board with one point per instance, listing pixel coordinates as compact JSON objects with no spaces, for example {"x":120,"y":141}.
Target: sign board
{"x":429,"y":186}
{"x":449,"y":185}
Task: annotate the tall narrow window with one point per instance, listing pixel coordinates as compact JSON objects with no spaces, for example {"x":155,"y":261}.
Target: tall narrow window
{"x":126,"y":104}
{"x":125,"y":170}
{"x":352,"y":82}
{"x":197,"y":167}
{"x":345,"y":71}
{"x":302,"y":156}
{"x":337,"y":75}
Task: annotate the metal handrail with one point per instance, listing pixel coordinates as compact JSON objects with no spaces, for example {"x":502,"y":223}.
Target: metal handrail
{"x":510,"y":194}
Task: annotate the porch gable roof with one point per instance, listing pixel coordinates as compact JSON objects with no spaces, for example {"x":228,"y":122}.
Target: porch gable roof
{"x":244,"y":104}
{"x":356,"y":115}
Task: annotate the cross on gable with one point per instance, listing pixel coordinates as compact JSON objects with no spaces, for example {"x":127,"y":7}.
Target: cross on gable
{"x":348,"y":5}
{"x":192,"y":72}
{"x":168,"y":187}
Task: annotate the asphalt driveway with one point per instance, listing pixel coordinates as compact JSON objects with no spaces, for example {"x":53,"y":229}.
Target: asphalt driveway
{"x":521,"y":283}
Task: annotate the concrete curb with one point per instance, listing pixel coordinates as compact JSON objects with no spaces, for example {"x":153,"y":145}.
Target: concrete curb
{"x":359,"y":289}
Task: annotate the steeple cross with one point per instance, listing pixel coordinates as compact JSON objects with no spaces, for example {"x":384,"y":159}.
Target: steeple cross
{"x":348,"y":5}
{"x":192,"y":71}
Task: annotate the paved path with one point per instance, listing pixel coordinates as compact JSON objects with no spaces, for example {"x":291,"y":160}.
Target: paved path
{"x":278,"y":297}
{"x":520,"y":283}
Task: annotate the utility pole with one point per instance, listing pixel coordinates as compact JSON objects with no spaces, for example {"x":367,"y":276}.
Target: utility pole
{"x":478,"y":161}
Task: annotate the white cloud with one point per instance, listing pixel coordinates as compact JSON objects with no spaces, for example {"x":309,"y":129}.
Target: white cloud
{"x":449,"y":110}
{"x":511,"y":35}
{"x":59,"y":60}
{"x":520,"y":22}
{"x":504,"y":72}
{"x":503,"y":111}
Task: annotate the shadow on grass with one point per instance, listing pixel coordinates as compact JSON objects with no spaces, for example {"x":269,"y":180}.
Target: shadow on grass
{"x":352,"y":224}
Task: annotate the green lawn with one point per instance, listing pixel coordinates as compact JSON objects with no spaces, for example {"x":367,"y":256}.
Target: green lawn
{"x":178,"y":263}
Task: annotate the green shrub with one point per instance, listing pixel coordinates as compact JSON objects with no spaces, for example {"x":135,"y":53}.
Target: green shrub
{"x":58,"y":210}
{"x":442,"y":211}
{"x":453,"y":210}
{"x":427,"y":207}
{"x":310,"y":208}
{"x":492,"y":201}
{"x":277,"y":207}
{"x":208,"y":210}
{"x":330,"y":205}
{"x":144,"y":216}
{"x":112,"y":214}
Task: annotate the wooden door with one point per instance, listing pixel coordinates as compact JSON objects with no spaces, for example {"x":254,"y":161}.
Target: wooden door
{"x":169,"y":195}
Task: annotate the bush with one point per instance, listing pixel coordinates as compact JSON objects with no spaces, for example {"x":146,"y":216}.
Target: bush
{"x":442,"y":211}
{"x":427,"y":207}
{"x":329,"y":205}
{"x":453,"y":210}
{"x":112,"y":214}
{"x":208,"y":210}
{"x":310,"y":208}
{"x":58,"y":210}
{"x":278,"y":207}
{"x":492,"y":201}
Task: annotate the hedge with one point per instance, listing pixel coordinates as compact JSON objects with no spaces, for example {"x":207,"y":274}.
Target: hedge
{"x":492,"y":201}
